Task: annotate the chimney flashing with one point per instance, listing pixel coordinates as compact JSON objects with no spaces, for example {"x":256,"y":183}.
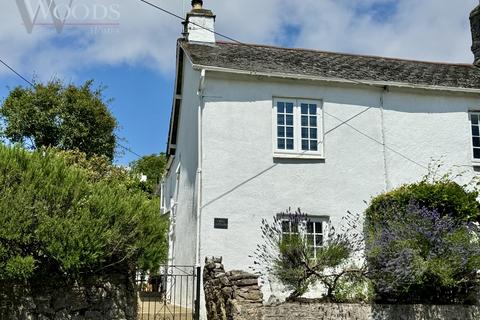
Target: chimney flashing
{"x":201,"y":12}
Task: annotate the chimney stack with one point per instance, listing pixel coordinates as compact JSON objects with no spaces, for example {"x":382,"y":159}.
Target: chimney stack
{"x":475,"y":27}
{"x":199,"y":25}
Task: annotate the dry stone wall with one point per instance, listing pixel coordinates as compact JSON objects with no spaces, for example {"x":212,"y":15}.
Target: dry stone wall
{"x":226,"y":292}
{"x":109,"y":297}
{"x":236,"y":295}
{"x":331,"y":311}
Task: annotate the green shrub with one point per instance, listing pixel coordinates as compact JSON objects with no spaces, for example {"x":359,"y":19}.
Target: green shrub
{"x":445,"y":196}
{"x":422,"y":244}
{"x":354,"y":288}
{"x":56,"y":219}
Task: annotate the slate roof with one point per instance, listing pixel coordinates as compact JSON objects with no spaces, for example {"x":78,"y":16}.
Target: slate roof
{"x":274,"y":60}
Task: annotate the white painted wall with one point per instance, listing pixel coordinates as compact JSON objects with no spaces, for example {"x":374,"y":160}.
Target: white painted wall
{"x":200,"y":28}
{"x":244,"y":183}
{"x":184,"y":229}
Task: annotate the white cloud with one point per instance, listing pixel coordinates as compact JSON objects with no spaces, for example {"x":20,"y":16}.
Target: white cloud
{"x":428,"y":30}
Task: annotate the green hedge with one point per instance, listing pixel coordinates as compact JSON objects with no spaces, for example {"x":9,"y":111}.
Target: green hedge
{"x":55,"y":219}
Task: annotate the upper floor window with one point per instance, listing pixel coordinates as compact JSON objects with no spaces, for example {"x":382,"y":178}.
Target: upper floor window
{"x":298,"y":127}
{"x":475,"y":120}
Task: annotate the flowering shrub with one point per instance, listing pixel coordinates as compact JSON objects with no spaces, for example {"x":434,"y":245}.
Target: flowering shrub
{"x":290,"y":259}
{"x":418,"y":254}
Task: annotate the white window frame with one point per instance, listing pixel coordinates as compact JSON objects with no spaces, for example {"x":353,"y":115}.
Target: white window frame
{"x":302,"y":229}
{"x":471,"y":124}
{"x":297,"y":151}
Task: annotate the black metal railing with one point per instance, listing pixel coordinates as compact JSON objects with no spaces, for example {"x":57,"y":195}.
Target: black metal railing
{"x":172,"y":294}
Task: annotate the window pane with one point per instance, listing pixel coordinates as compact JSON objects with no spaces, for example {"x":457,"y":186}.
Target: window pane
{"x":318,"y":240}
{"x":476,"y":153}
{"x":281,"y":144}
{"x":281,"y":107}
{"x":305,"y":133}
{"x":310,"y":240}
{"x":313,"y":133}
{"x":313,"y":109}
{"x":475,"y":131}
{"x":476,"y":142}
{"x":318,"y":227}
{"x":289,"y":120}
{"x":280,"y":119}
{"x":289,"y":107}
{"x":305,"y":145}
{"x":313,"y":145}
{"x":289,"y":132}
{"x":281,"y":132}
{"x":304,"y":108}
{"x":289,"y":144}
{"x":313,"y":121}
{"x":475,"y":118}
{"x":309,"y":227}
{"x":285,"y":226}
{"x":304,"y":121}
{"x":294,"y":227}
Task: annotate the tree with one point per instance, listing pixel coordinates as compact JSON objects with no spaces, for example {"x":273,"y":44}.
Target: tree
{"x":60,"y":216}
{"x":153,"y":167}
{"x":62,"y":116}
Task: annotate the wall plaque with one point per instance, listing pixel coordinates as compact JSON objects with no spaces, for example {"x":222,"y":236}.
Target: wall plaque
{"x":220,"y":223}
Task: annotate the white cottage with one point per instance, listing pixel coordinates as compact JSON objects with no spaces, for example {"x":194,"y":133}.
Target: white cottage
{"x":257,"y":129}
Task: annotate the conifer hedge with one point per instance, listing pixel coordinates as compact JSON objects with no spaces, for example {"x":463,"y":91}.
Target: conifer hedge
{"x":55,"y":219}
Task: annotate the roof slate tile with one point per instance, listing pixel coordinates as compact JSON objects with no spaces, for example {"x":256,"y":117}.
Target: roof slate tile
{"x":266,"y":59}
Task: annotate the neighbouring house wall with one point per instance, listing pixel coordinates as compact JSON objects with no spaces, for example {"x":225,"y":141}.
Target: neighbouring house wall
{"x":243,"y":182}
{"x":109,"y":297}
{"x":235,"y":295}
{"x":180,"y":191}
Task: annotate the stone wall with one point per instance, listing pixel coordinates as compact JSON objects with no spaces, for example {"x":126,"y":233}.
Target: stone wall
{"x":331,"y":311}
{"x":108,"y":297}
{"x":236,"y":295}
{"x":227,"y":292}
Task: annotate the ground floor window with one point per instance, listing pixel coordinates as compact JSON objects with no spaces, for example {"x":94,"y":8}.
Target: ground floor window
{"x":313,"y":229}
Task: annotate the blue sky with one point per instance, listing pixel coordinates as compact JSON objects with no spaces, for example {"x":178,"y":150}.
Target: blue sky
{"x":142,"y":101}
{"x":136,"y":60}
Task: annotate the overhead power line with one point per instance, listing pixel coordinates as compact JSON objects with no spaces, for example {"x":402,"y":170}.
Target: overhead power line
{"x":128,"y":149}
{"x":195,"y":24}
{"x":18,"y":74}
{"x":377,"y":141}
{"x":342,"y":122}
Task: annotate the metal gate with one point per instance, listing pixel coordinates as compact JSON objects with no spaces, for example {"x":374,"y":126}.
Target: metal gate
{"x":172,"y":294}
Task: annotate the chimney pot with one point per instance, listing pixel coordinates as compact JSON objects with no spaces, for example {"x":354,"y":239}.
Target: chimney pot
{"x":197,"y":4}
{"x":475,"y":28}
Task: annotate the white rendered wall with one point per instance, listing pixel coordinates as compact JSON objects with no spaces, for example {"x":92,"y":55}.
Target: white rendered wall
{"x":244,"y":183}
{"x":200,"y":29}
{"x":186,"y":157}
